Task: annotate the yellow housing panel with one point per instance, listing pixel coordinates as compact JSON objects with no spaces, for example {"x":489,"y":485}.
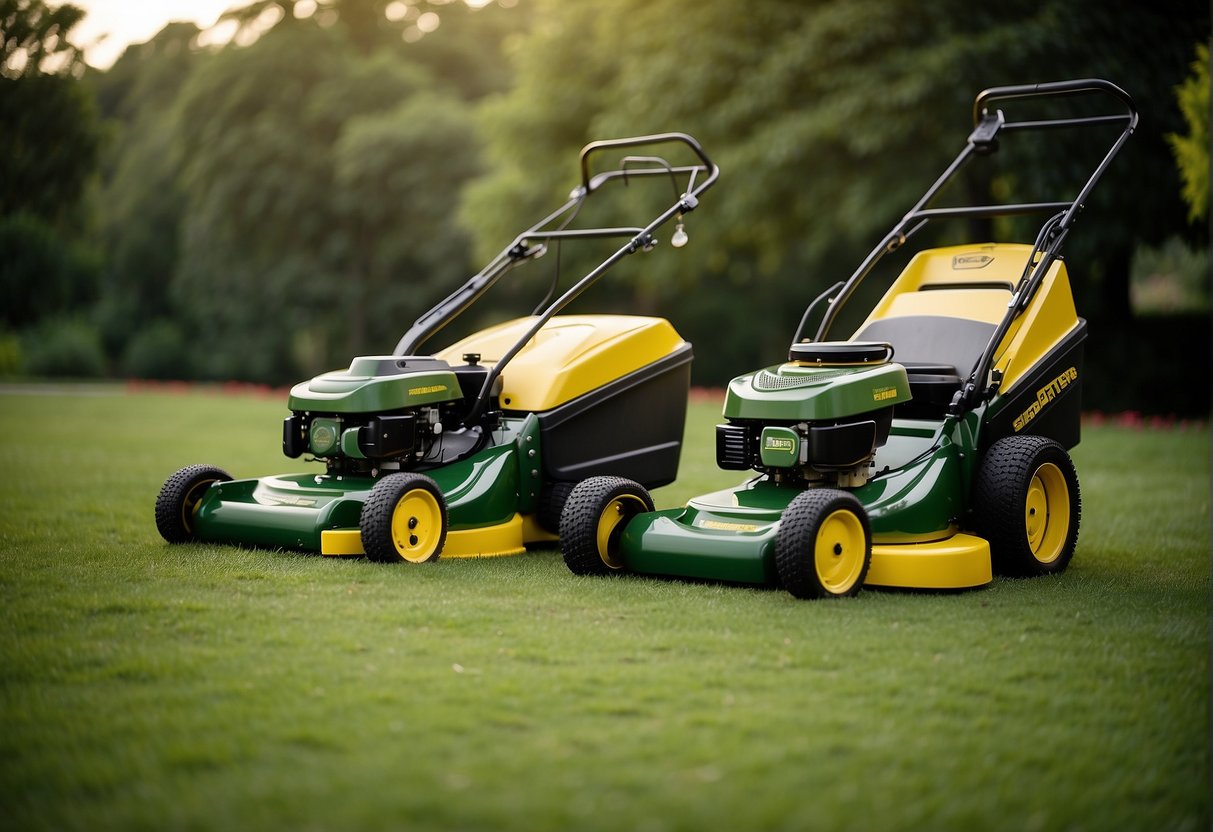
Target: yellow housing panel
{"x":960,"y":562}
{"x":1049,"y":318}
{"x":570,"y":356}
{"x":971,"y":271}
{"x":973,"y":282}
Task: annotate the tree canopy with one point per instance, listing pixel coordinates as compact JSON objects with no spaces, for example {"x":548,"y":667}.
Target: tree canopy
{"x":828,"y":120}
{"x":50,"y":145}
{"x":266,"y":208}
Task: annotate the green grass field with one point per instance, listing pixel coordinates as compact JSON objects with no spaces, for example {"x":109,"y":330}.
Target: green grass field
{"x":144,"y":686}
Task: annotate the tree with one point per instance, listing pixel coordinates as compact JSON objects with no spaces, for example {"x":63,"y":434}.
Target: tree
{"x":49,"y":147}
{"x":49,"y":143}
{"x":34,"y":35}
{"x":304,"y":195}
{"x":139,"y":229}
{"x":829,"y":119}
{"x":1192,"y":149}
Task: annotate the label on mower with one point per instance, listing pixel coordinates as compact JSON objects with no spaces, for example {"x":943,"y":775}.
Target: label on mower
{"x":971,"y":261}
{"x":422,"y":391}
{"x":1045,"y":396}
{"x":780,"y":447}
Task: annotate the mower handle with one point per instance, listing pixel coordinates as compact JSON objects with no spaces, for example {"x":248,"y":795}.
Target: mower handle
{"x":589,"y":183}
{"x":1080,"y":86}
{"x":518,"y":250}
{"x":983,"y":140}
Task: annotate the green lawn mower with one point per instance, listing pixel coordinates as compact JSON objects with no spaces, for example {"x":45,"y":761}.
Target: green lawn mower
{"x":472,"y":451}
{"x":927,"y":451}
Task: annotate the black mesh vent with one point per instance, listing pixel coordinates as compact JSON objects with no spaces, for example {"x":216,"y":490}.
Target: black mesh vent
{"x":734,"y":447}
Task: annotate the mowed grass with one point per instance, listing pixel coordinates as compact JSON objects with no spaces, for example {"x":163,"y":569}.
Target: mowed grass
{"x":148,"y":686}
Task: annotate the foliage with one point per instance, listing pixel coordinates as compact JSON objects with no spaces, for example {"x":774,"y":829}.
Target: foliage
{"x":304,"y":196}
{"x":63,"y":346}
{"x":34,"y":38}
{"x":203,"y":687}
{"x":49,"y":148}
{"x":1192,"y":149}
{"x":829,"y":119}
{"x":158,"y":350}
{"x":1171,"y":278}
{"x":40,"y":275}
{"x":315,"y":197}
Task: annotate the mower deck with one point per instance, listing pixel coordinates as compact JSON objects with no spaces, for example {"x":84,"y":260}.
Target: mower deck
{"x":730,"y":535}
{"x":320,"y":512}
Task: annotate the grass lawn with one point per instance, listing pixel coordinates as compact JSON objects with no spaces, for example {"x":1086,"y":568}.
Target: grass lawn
{"x":144,"y":686}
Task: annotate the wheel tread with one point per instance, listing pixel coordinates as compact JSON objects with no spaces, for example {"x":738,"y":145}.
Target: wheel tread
{"x":579,"y":521}
{"x":797,"y":536}
{"x":999,"y":501}
{"x":170,"y":502}
{"x":375,"y":522}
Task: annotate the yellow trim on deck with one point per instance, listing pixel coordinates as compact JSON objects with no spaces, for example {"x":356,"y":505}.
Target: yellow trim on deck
{"x":960,"y":562}
{"x":341,"y":543}
{"x":508,"y":538}
{"x":486,"y":542}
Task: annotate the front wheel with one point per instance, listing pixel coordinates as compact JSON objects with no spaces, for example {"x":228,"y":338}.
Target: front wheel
{"x":824,"y":544}
{"x":1026,"y":503}
{"x":594,"y":517}
{"x":404,"y":518}
{"x":178,"y":500}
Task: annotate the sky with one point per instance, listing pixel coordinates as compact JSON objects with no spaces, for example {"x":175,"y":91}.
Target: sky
{"x":109,"y":26}
{"x":124,"y":22}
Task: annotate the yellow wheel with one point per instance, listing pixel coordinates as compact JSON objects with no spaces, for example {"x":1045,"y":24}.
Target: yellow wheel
{"x":179,"y":499}
{"x":595,"y":516}
{"x":1047,"y":513}
{"x":839,"y":551}
{"x":1026,"y":503}
{"x":404,"y":518}
{"x":824,"y":544}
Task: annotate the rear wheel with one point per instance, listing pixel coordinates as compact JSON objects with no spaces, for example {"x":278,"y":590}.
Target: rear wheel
{"x":404,"y":519}
{"x":594,"y":517}
{"x":178,"y":500}
{"x":824,"y":544}
{"x":1027,"y":504}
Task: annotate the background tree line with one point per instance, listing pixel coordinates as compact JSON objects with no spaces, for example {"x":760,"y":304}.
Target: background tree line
{"x":268,"y":209}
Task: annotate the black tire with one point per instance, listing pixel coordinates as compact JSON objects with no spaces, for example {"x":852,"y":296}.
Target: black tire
{"x":594,"y":517}
{"x":551,"y":505}
{"x":823,"y":548}
{"x":404,"y":518}
{"x":179,"y":497}
{"x":1027,"y":504}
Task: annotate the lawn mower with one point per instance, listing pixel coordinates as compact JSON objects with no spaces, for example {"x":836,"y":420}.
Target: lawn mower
{"x":471,"y":451}
{"x":927,"y":451}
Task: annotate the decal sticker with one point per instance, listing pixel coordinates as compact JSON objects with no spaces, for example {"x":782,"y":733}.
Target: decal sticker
{"x":1044,"y":396}
{"x":971,"y":261}
{"x":728,"y":527}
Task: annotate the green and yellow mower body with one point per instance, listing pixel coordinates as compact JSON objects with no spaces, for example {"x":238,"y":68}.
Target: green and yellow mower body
{"x":927,"y":450}
{"x":470,"y":451}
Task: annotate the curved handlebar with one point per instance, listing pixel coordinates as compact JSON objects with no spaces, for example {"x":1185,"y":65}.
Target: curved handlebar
{"x":638,"y":141}
{"x":1079,"y":86}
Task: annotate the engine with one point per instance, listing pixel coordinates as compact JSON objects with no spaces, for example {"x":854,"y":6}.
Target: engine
{"x":818,"y":418}
{"x":386,"y":413}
